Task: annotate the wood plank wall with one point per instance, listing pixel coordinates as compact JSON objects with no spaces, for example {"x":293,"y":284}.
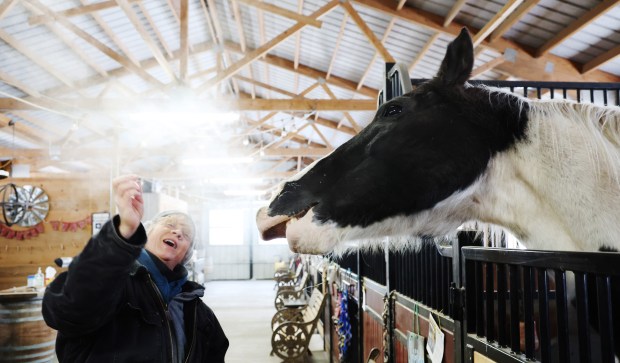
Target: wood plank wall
{"x":71,"y":200}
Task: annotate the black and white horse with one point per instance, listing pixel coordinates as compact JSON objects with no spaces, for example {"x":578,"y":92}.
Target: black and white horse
{"x":448,"y":153}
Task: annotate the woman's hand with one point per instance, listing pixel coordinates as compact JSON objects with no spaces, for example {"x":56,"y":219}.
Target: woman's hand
{"x":128,"y":199}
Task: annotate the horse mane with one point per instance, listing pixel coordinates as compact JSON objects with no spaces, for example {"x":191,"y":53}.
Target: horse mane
{"x":598,"y":127}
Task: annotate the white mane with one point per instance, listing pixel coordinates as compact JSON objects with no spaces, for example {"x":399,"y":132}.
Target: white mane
{"x":560,"y":188}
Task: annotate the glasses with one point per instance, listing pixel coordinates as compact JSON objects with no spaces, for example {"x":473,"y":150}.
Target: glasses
{"x":186,"y":231}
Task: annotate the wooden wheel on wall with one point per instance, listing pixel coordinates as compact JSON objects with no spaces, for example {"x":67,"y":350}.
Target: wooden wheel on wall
{"x":10,"y":197}
{"x":26,"y":206}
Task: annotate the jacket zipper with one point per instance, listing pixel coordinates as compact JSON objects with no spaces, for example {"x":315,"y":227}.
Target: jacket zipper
{"x":166,"y":314}
{"x":189,"y":352}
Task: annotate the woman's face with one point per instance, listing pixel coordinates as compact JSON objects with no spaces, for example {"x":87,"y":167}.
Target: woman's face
{"x":169,"y":239}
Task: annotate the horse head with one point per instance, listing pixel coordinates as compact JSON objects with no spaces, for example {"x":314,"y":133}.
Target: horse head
{"x":420,"y":168}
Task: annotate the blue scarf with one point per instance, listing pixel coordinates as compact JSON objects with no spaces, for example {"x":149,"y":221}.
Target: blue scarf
{"x":167,"y":289}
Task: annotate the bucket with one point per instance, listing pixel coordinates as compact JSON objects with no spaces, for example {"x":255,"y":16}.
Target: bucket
{"x":24,"y":336}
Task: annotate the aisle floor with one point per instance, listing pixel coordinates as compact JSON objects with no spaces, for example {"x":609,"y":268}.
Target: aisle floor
{"x":245,"y":308}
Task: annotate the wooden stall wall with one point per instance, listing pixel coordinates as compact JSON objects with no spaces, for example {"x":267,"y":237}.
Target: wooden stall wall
{"x":373,"y":318}
{"x":64,"y":232}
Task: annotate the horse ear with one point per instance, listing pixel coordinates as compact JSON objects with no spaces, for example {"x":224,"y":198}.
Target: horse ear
{"x":459,"y":60}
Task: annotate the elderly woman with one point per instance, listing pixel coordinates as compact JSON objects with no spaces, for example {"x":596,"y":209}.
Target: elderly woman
{"x":126,"y":297}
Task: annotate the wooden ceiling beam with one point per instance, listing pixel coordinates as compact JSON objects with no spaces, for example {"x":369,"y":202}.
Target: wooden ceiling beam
{"x":71,"y":45}
{"x":600,"y":60}
{"x":300,"y":18}
{"x":258,"y":52}
{"x":343,"y":25}
{"x":385,"y":54}
{"x":454,"y":10}
{"x":160,"y":37}
{"x":112,"y":35}
{"x":184,"y":41}
{"x":492,"y":24}
{"x":300,"y":7}
{"x":99,"y":45}
{"x":388,"y":30}
{"x":423,"y":52}
{"x":298,"y":104}
{"x":266,"y":86}
{"x":525,"y":65}
{"x":576,"y":26}
{"x":82,"y":10}
{"x":37,"y":59}
{"x":311,"y":73}
{"x":488,"y":66}
{"x":146,"y":37}
{"x":295,"y":152}
{"x":6,"y":6}
{"x":331,"y":95}
{"x":512,"y":19}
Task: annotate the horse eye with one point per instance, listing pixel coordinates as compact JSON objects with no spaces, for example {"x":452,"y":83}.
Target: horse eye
{"x":392,"y":110}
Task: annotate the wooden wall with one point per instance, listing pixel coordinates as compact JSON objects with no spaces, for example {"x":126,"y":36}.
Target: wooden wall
{"x":71,"y":200}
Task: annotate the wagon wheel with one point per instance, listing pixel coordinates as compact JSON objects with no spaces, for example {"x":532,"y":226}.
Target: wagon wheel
{"x":30,"y":205}
{"x":290,"y":341}
{"x":10,"y":197}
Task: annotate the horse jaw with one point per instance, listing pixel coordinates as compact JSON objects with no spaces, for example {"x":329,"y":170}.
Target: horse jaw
{"x":303,"y":235}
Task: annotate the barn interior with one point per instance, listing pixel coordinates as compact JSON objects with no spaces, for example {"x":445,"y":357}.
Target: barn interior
{"x":213,"y":104}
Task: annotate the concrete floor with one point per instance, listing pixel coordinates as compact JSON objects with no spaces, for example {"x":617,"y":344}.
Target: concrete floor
{"x":245,"y":309}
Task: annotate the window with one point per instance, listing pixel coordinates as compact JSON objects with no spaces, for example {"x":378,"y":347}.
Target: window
{"x":226,"y":227}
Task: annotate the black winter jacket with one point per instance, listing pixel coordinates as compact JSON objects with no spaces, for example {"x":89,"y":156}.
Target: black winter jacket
{"x":106,"y":309}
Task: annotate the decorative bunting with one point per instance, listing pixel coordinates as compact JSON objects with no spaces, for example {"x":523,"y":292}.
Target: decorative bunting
{"x":22,"y":234}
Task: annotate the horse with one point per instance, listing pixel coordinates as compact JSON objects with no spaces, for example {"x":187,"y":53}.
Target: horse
{"x":448,"y":153}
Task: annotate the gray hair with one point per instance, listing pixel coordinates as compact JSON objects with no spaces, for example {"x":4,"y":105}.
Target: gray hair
{"x":148,"y":225}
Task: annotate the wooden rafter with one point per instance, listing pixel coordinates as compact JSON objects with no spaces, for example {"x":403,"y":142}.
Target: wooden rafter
{"x":525,"y":65}
{"x":219,"y":35}
{"x":423,"y":52}
{"x":265,"y":86}
{"x":300,"y":7}
{"x":133,"y":18}
{"x":388,"y":30}
{"x":318,"y":132}
{"x":99,"y":45}
{"x":71,"y":44}
{"x":331,"y":95}
{"x":288,"y":136}
{"x":6,"y":6}
{"x":297,"y":104}
{"x":310,"y":72}
{"x":308,"y":20}
{"x":343,"y":25}
{"x":160,"y":37}
{"x":112,"y":35}
{"x":85,"y":9}
{"x":367,"y":31}
{"x":37,"y":59}
{"x":488,"y":66}
{"x":400,"y":4}
{"x":601,"y":59}
{"x":577,"y":25}
{"x":14,"y":82}
{"x":295,"y":152}
{"x":184,"y":41}
{"x":454,"y":10}
{"x":512,"y":19}
{"x":506,"y":10}
{"x":253,"y":55}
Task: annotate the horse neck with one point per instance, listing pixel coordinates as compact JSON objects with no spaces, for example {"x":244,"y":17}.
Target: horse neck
{"x":558,"y":188}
